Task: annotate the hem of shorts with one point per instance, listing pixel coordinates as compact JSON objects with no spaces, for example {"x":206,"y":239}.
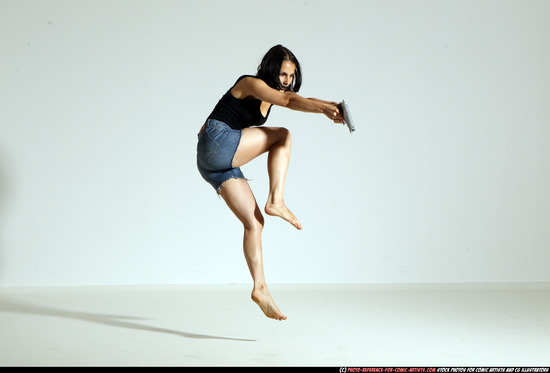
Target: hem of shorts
{"x":233,"y":177}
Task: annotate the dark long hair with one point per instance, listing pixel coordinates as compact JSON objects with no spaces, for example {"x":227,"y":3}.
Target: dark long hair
{"x":270,"y":68}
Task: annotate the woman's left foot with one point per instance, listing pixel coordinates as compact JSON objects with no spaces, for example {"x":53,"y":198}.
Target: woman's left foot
{"x":263,"y":299}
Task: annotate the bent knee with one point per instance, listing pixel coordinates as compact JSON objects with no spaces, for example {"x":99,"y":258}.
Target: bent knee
{"x":284,"y":135}
{"x":255,"y":225}
{"x":254,"y":222}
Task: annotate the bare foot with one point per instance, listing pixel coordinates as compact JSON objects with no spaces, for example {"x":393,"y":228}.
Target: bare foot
{"x":267,"y":305}
{"x":280,"y":210}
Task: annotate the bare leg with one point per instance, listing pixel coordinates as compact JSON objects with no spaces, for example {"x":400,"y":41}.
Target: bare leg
{"x":276,"y":141}
{"x":238,"y":196}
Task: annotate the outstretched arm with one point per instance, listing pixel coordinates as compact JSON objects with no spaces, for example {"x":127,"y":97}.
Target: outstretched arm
{"x":260,"y":90}
{"x":313,"y":105}
{"x":324,"y":102}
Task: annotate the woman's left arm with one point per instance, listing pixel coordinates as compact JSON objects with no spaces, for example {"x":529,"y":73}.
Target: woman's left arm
{"x":330,"y":109}
{"x":323,"y":101}
{"x":259,"y":89}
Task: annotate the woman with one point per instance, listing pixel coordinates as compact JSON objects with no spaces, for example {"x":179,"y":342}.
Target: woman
{"x":230,"y":139}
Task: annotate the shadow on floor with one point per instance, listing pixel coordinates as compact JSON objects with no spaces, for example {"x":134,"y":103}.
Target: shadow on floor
{"x":11,"y":306}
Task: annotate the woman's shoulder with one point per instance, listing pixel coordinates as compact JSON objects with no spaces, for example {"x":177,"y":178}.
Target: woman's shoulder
{"x":246,"y":77}
{"x":242,"y":87}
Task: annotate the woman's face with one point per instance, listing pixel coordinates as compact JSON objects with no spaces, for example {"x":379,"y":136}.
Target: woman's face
{"x":288,"y":69}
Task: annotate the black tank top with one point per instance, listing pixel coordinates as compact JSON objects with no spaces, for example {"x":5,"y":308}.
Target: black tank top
{"x":239,"y":113}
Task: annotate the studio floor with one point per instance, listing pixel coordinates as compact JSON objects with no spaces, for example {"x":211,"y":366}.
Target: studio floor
{"x":328,"y":325}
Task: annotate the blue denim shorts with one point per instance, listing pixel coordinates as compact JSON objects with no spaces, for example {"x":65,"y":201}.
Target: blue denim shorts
{"x":215,"y":150}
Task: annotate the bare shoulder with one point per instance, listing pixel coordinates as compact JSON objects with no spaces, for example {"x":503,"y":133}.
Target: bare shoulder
{"x":247,"y":86}
{"x":254,"y":88}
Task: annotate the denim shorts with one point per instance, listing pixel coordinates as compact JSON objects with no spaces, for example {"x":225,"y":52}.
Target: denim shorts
{"x":215,"y":150}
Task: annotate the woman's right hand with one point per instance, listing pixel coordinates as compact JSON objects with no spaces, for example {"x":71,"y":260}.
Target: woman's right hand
{"x":333,"y":111}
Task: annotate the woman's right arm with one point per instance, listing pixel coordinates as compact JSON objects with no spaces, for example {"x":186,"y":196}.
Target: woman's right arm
{"x":330,"y":109}
{"x":260,"y":90}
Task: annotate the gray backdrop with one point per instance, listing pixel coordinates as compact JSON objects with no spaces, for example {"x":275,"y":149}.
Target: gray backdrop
{"x":445,"y":180}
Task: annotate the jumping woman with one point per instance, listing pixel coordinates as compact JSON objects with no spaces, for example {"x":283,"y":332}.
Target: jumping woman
{"x":230,"y":138}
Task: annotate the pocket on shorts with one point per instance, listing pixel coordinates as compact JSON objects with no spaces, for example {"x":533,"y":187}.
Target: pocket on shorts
{"x":217,"y":131}
{"x":207,"y":148}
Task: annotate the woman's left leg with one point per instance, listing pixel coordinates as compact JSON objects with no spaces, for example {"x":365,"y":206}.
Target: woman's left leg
{"x":240,"y":199}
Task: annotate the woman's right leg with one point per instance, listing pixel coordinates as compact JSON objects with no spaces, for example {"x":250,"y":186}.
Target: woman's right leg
{"x":276,"y":141}
{"x":240,"y":199}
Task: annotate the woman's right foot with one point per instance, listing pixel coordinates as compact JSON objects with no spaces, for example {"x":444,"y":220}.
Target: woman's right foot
{"x":280,"y":210}
{"x":263,"y":299}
